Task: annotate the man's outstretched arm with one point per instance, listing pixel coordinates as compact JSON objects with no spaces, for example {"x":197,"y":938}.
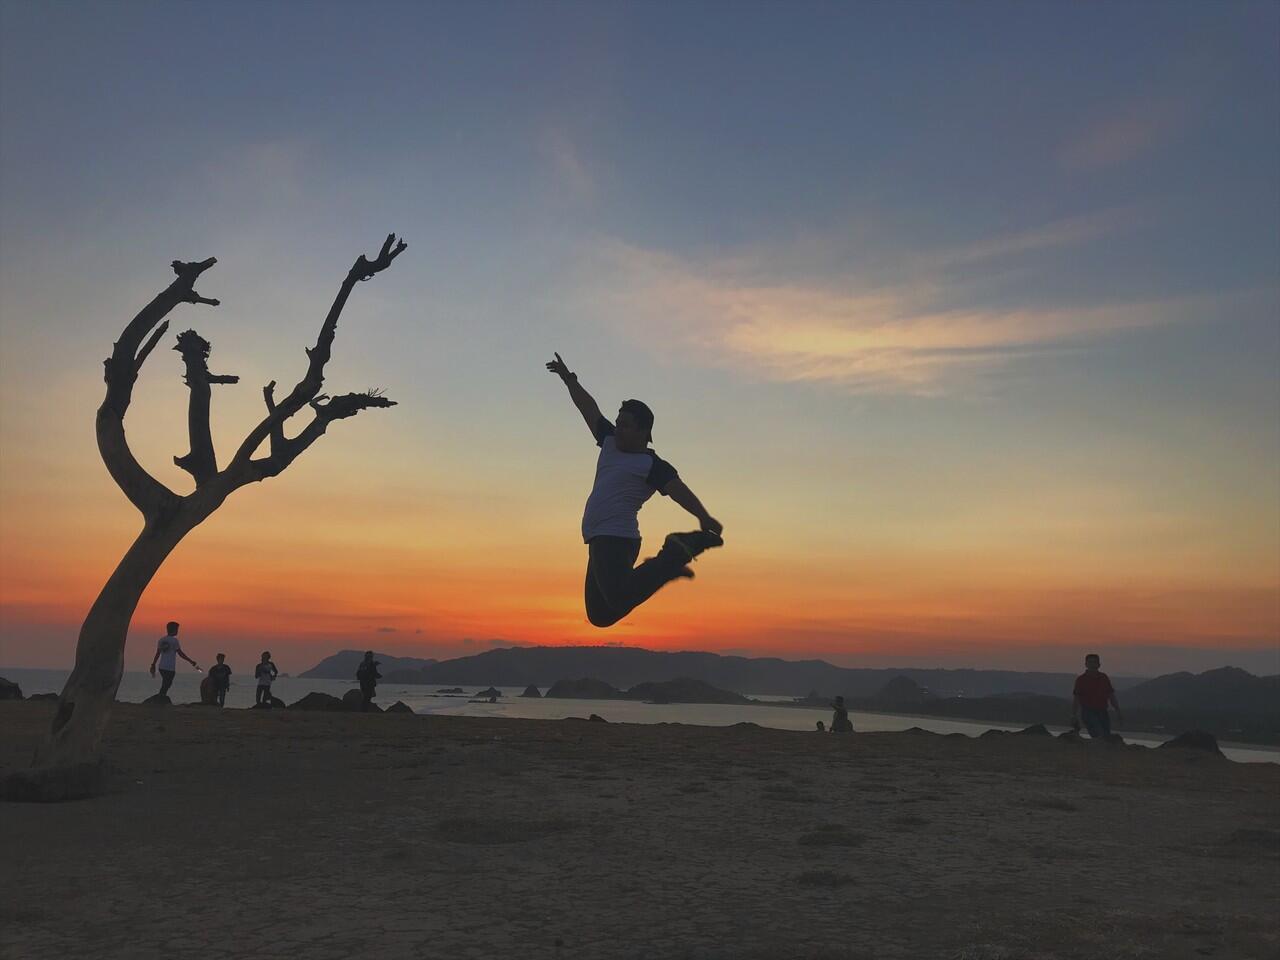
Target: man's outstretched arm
{"x":585,"y":403}
{"x":682,"y":495}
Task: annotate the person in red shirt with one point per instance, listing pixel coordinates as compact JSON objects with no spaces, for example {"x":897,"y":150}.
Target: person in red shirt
{"x":1092,"y":693}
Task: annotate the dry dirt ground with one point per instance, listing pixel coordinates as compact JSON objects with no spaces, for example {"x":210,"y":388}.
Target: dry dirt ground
{"x":244,"y":834}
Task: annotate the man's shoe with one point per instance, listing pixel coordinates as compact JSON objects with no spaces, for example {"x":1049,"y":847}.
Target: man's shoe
{"x":693,"y":543}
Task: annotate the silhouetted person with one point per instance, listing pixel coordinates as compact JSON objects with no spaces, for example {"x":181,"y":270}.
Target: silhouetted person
{"x":1089,"y":700}
{"x":627,"y":474}
{"x":821,"y":727}
{"x":168,"y":649}
{"x":220,"y":674}
{"x":840,"y":717}
{"x":264,"y":673}
{"x":368,"y":675}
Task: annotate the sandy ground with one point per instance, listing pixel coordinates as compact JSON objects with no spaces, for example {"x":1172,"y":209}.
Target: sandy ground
{"x":246,"y":834}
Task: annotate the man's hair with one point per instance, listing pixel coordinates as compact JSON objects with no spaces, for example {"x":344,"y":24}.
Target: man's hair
{"x":221,"y":657}
{"x":1092,"y":656}
{"x":368,"y":654}
{"x":644,"y":416}
{"x":172,"y":626}
{"x":266,"y":654}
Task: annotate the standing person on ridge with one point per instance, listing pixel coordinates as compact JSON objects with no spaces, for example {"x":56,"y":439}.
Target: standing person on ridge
{"x":368,"y":675}
{"x":168,"y":649}
{"x":264,"y":673}
{"x":1089,"y":699}
{"x":627,"y":474}
{"x":220,"y":675}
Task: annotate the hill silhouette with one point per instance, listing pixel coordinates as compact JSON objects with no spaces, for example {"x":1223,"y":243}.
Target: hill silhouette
{"x":624,"y":667}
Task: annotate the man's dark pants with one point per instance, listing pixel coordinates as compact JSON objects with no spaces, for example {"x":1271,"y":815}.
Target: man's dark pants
{"x":367,"y":689}
{"x":220,"y":694}
{"x":166,"y":681}
{"x":614,"y":587}
{"x":1097,"y":722}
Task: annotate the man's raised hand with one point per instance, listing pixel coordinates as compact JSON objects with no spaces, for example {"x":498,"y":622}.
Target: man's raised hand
{"x":558,"y":367}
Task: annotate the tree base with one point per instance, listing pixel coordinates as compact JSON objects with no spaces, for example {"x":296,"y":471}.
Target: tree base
{"x":78,"y":781}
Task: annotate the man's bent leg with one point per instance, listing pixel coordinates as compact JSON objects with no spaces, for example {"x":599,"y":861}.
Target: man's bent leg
{"x":655,"y":573}
{"x":609,"y":587}
{"x":598,"y":610}
{"x":166,"y":681}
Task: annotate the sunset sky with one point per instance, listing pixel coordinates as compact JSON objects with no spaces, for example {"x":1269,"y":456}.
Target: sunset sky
{"x":963,"y":318}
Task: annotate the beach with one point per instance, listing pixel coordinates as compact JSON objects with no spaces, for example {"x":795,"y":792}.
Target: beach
{"x":269,"y":833}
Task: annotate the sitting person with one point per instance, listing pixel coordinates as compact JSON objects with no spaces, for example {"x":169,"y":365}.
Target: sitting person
{"x":840,"y":717}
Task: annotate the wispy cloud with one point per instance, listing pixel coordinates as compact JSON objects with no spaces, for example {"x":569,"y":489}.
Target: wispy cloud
{"x":1124,"y":134}
{"x":906,"y":336}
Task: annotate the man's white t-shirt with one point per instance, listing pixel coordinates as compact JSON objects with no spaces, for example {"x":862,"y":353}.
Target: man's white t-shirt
{"x":624,"y":481}
{"x":168,"y":648}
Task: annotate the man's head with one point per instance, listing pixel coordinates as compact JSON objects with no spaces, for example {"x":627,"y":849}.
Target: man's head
{"x":368,"y":654}
{"x":1092,"y":662}
{"x":266,"y":655}
{"x":633,"y":430}
{"x":840,"y":701}
{"x":221,"y":657}
{"x":171,"y":628}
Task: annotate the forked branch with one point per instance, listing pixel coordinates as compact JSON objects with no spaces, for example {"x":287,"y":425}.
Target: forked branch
{"x":121,"y":372}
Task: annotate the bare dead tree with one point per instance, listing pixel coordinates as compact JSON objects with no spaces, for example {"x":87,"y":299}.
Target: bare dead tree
{"x":84,"y":705}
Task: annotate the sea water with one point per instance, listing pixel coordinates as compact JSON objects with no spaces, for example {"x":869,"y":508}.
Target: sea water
{"x":424,"y":699}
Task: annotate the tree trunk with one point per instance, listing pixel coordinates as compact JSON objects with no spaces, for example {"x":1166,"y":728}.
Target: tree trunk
{"x":84,"y":706}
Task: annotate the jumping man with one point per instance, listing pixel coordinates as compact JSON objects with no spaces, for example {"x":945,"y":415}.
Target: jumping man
{"x":627,"y":474}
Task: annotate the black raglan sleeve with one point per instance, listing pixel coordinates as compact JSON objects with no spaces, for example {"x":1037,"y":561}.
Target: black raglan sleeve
{"x":660,"y":474}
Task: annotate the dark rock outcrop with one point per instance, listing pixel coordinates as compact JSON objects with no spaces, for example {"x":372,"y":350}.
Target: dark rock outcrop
{"x":353,"y":700}
{"x":43,"y":696}
{"x":318,"y":701}
{"x":584,"y":689}
{"x":9,"y":690}
{"x":491,"y":692}
{"x":1035,"y":730}
{"x":531,"y":691}
{"x":399,"y":707}
{"x":158,"y":700}
{"x":1193,"y":740}
{"x":450,"y":690}
{"x":596,"y":718}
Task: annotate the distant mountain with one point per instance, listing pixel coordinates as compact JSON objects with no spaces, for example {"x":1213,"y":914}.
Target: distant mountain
{"x":625,"y":667}
{"x":584,"y":689}
{"x":1225,"y":690}
{"x":342,"y":665}
{"x":683,"y":690}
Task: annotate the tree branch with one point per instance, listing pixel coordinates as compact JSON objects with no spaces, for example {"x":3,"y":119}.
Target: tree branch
{"x":201,"y":462}
{"x":308,"y":388}
{"x":326,"y":410}
{"x":120,"y":371}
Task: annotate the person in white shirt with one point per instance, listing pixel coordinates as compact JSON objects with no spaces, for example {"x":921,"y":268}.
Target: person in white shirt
{"x":627,"y":474}
{"x":264,"y":673}
{"x":168,"y":649}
